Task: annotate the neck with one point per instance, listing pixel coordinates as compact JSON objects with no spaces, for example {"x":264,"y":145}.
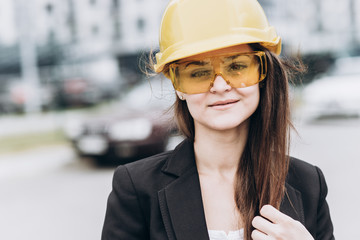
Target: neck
{"x":219,"y":151}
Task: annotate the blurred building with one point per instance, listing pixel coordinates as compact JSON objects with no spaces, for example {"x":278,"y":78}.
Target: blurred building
{"x":84,"y":30}
{"x":128,"y":26}
{"x":7,"y":23}
{"x":316,"y":26}
{"x":101,"y":40}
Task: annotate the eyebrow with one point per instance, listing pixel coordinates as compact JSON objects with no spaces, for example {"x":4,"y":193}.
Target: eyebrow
{"x":236,"y":56}
{"x":197,"y":63}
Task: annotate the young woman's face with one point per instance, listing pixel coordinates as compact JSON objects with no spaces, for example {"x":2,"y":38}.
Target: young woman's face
{"x":223,"y":107}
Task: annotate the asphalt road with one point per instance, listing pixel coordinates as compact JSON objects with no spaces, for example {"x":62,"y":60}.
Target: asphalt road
{"x":55,"y":197}
{"x":334,"y":146}
{"x":50,"y":194}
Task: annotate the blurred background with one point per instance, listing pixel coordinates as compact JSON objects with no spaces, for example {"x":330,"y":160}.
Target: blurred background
{"x":74,"y":103}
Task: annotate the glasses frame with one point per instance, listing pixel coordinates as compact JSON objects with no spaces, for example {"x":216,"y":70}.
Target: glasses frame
{"x":262,"y":68}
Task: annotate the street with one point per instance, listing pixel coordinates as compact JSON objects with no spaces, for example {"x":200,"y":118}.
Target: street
{"x":334,"y":146}
{"x":50,"y":194}
{"x":55,"y":201}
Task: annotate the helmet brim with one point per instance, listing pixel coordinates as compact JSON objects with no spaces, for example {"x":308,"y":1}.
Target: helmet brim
{"x":181,"y":51}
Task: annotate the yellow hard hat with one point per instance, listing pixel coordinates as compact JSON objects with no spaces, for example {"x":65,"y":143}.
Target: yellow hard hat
{"x":191,"y":27}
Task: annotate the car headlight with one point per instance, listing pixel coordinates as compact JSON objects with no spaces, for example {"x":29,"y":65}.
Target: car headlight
{"x":94,"y":144}
{"x":132,"y":129}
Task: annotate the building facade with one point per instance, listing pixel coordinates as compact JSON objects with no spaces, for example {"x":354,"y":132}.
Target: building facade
{"x":77,"y":32}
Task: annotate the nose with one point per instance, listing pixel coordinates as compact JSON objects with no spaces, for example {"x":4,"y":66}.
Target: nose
{"x":220,"y":85}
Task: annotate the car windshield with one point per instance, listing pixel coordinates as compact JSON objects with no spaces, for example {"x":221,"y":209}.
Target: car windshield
{"x":346,"y":66}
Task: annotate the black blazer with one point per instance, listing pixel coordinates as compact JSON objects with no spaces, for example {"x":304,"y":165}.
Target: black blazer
{"x":159,"y":198}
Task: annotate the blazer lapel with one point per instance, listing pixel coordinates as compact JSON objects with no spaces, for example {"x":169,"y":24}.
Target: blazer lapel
{"x":180,"y":201}
{"x":292,"y":204}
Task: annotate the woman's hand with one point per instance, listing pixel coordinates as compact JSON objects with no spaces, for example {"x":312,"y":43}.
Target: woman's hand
{"x":274,"y":225}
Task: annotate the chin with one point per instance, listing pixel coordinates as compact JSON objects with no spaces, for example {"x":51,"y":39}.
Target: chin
{"x":227,"y":124}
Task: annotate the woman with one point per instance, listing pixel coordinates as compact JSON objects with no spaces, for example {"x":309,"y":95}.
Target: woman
{"x":231,"y":178}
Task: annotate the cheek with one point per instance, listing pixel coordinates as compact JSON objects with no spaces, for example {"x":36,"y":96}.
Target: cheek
{"x":195,"y":103}
{"x":252,"y":90}
{"x":250,"y":95}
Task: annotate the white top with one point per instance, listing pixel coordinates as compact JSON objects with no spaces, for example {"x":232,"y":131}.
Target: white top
{"x":221,"y":235}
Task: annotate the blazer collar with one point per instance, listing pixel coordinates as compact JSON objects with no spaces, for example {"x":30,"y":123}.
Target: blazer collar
{"x":181,"y":201}
{"x":181,"y":160}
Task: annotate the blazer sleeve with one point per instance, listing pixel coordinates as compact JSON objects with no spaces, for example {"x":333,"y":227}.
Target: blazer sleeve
{"x":124,"y":219}
{"x":324,"y":225}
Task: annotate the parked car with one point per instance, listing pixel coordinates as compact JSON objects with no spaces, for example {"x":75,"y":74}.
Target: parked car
{"x":336,"y":95}
{"x":139,"y":126}
{"x":77,"y":91}
{"x":345,"y":66}
{"x":15,"y":94}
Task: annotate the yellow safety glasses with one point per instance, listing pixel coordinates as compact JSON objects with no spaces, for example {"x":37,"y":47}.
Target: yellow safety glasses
{"x":239,"y":70}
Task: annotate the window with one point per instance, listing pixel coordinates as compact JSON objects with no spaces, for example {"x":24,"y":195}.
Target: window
{"x":141,"y":25}
{"x":51,"y":37}
{"x":116,"y":3}
{"x":94,"y":30}
{"x":49,"y":8}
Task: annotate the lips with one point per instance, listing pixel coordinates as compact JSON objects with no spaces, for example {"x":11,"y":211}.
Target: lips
{"x":223,"y":103}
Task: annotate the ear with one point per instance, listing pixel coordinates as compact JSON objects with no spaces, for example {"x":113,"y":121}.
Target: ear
{"x":180,"y":95}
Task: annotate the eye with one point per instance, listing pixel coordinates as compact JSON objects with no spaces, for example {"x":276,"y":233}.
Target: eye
{"x":236,"y":66}
{"x":200,"y":73}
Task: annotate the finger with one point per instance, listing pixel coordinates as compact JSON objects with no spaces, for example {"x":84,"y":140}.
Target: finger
{"x":263,"y":225}
{"x":273,"y":214}
{"x":258,"y":235}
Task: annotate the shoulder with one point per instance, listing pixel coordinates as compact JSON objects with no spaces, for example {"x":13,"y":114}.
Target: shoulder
{"x":311,"y":190}
{"x":298,"y":169}
{"x":145,"y":166}
{"x":134,"y":189}
{"x":144,"y":175}
{"x":307,"y":179}
{"x":302,"y":173}
{"x":149,"y":164}
{"x":160,"y":169}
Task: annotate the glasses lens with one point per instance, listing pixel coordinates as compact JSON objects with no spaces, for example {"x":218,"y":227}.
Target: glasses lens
{"x":240,"y":70}
{"x":193,"y":77}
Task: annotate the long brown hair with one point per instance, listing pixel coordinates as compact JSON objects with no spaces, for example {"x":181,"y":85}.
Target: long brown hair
{"x":263,"y":166}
